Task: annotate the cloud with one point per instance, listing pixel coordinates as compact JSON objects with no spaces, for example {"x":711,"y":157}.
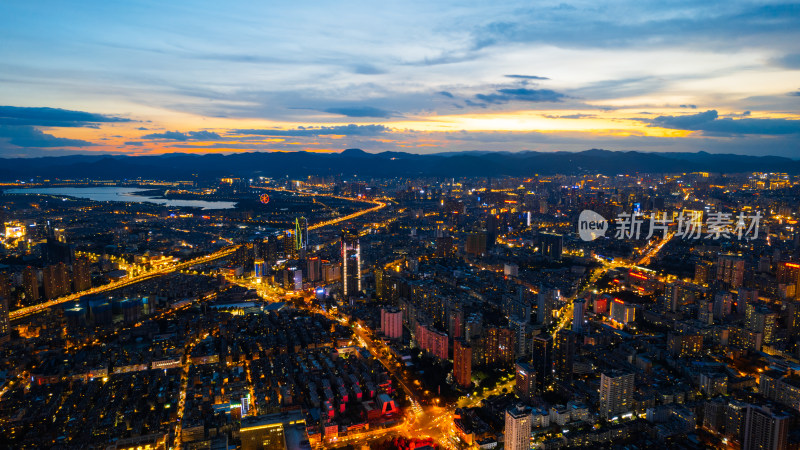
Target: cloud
{"x":52,"y":117}
{"x":27,"y":136}
{"x":527,"y":77}
{"x":521,"y":94}
{"x":790,"y":61}
{"x":709,"y":123}
{"x":689,"y":106}
{"x":178,"y":136}
{"x":359,"y":111}
{"x":135,"y":143}
{"x":446,"y":94}
{"x":348,"y":130}
{"x":570,"y":116}
{"x":367,"y":69}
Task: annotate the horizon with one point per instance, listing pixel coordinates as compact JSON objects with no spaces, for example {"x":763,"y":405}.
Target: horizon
{"x":140,"y":79}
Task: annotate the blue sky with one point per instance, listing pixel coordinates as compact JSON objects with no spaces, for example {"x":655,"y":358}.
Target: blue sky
{"x":143,"y":77}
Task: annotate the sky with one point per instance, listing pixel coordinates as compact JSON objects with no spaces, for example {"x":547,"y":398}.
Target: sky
{"x":150,"y":77}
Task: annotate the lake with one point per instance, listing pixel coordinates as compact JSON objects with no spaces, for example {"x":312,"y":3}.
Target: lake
{"x":121,"y":194}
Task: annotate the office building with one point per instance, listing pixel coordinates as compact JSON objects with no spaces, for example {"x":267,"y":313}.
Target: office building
{"x":616,"y":394}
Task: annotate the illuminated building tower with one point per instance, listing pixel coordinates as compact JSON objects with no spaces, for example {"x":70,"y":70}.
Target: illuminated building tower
{"x":462,"y":362}
{"x":5,"y":329}
{"x":705,"y":311}
{"x":702,"y":272}
{"x":566,"y":342}
{"x":300,"y":234}
{"x":56,"y":280}
{"x":723,"y":301}
{"x":551,"y":245}
{"x":392,"y":322}
{"x":518,"y":428}
{"x":313,"y":268}
{"x":547,"y":302}
{"x":30,"y":283}
{"x":499,"y":346}
{"x":730,"y":270}
{"x":288,"y":244}
{"x":789,"y":274}
{"x":5,"y":286}
{"x":765,"y":429}
{"x":351,"y":263}
{"x":616,"y":393}
{"x":578,"y":311}
{"x":81,"y":275}
{"x":258,"y":268}
{"x":525,"y":381}
{"x":542,"y":360}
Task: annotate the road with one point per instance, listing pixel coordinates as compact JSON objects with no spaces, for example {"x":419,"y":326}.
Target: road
{"x":29,"y":310}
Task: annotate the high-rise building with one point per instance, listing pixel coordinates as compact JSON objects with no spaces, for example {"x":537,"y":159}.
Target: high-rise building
{"x":55,"y":280}
{"x":547,"y":302}
{"x":789,"y":274}
{"x":542,"y":360}
{"x":525,"y":381}
{"x":765,"y":428}
{"x":5,"y":328}
{"x":455,"y":322}
{"x":475,"y":244}
{"x":313,"y":268}
{"x":616,"y":393}
{"x":300,"y":234}
{"x":81,"y":274}
{"x":392,"y":322}
{"x":5,"y":286}
{"x":564,"y":353}
{"x":702,"y":272}
{"x":30,"y":284}
{"x":551,"y":245}
{"x":730,"y":270}
{"x":351,"y":263}
{"x":462,"y":362}
{"x":578,"y":311}
{"x":518,"y":428}
{"x":723,"y":302}
{"x":499,"y":345}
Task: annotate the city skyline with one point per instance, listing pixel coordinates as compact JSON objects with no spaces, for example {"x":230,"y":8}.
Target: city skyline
{"x":141,"y":78}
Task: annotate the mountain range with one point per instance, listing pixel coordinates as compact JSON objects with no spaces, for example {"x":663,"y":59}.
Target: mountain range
{"x":387,"y":164}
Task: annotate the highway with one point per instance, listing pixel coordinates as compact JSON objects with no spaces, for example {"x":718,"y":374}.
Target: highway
{"x":29,"y":310}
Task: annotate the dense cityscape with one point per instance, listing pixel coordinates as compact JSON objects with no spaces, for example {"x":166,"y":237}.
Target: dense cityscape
{"x":334,"y":312}
{"x":400,"y":225}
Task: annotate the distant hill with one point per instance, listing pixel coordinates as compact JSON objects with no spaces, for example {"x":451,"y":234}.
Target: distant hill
{"x":387,"y":164}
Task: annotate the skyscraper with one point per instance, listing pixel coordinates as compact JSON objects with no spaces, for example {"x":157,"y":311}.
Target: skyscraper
{"x":81,"y":274}
{"x":30,"y":284}
{"x":462,"y":362}
{"x":616,"y":393}
{"x":56,"y":281}
{"x":551,"y":245}
{"x":730,"y":270}
{"x":5,"y":328}
{"x":566,"y":341}
{"x":351,"y":263}
{"x":542,"y":360}
{"x":525,"y":381}
{"x":518,"y":428}
{"x":578,"y":311}
{"x":765,"y":429}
